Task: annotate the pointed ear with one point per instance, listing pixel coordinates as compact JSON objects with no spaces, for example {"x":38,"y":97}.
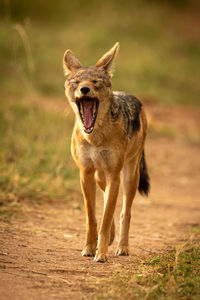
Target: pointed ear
{"x":70,"y":62}
{"x":106,"y":60}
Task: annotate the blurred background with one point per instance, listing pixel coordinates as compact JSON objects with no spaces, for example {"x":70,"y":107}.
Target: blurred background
{"x":159,"y":62}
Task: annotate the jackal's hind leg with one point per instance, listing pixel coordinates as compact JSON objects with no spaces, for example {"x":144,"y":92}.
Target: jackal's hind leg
{"x":101,"y":180}
{"x":112,"y":232}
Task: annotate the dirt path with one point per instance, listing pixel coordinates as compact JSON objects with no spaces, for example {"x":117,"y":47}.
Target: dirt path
{"x":40,"y":258}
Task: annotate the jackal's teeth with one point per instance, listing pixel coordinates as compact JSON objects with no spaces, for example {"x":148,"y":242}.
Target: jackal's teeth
{"x":81,"y":108}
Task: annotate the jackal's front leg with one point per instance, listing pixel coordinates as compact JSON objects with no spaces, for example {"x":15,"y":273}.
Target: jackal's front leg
{"x":131,"y":178}
{"x":111,"y":193}
{"x":89,"y":190}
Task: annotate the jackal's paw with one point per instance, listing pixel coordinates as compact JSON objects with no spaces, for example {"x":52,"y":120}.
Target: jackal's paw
{"x":122,"y":250}
{"x":88,"y":250}
{"x":100,"y":257}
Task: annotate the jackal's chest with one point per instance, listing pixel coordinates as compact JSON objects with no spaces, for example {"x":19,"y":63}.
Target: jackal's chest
{"x":100,"y":158}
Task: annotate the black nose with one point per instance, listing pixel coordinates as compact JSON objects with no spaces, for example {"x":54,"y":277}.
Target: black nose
{"x":84,"y":90}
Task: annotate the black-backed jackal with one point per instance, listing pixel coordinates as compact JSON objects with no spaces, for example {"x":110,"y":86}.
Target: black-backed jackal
{"x":108,"y":138}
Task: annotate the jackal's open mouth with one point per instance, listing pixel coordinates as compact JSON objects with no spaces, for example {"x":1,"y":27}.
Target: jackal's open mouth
{"x":88,"y":108}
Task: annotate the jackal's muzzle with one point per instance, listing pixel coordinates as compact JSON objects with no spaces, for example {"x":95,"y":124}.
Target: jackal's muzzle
{"x":88,"y":108}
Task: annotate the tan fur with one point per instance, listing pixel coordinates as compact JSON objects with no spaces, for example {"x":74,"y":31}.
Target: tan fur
{"x":103,"y":154}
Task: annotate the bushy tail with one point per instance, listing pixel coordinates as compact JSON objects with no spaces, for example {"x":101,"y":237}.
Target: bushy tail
{"x":144,"y":182}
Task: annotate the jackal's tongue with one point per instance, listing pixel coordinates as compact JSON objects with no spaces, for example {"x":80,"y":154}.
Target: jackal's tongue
{"x":88,"y":109}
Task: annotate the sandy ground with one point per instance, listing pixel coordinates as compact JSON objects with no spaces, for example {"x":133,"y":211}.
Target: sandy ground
{"x":40,"y":258}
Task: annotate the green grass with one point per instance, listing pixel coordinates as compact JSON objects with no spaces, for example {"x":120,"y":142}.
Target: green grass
{"x":35,"y":158}
{"x":9,"y":209}
{"x":172,"y":275}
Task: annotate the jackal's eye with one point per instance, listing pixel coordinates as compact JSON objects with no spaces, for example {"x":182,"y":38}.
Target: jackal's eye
{"x":98,"y":83}
{"x":75,"y":81}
